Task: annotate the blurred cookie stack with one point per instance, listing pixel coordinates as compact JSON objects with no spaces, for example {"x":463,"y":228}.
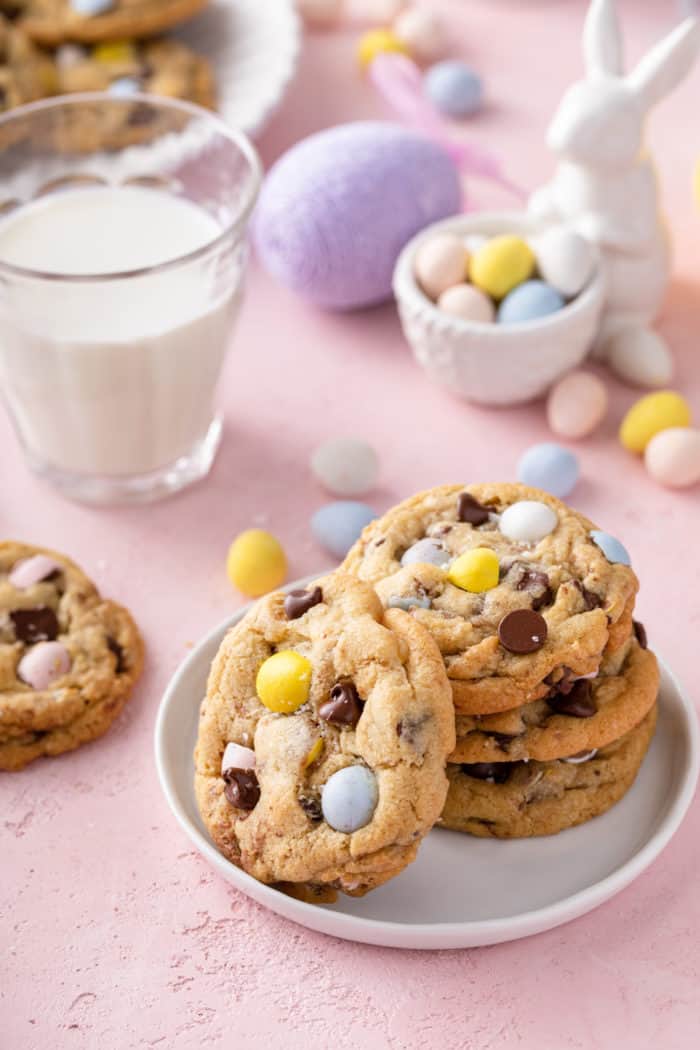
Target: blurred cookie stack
{"x":57,"y":47}
{"x":532,"y":608}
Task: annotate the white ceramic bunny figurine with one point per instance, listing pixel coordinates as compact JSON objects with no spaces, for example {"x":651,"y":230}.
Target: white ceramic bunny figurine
{"x":605,"y":185}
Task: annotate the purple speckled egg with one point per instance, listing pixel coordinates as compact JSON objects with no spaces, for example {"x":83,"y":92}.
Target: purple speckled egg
{"x":336,"y":210}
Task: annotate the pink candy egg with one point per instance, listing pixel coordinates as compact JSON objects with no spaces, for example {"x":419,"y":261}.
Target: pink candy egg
{"x":440,"y":263}
{"x":467,"y":303}
{"x":320,"y":12}
{"x":32,"y":570}
{"x":576,"y":405}
{"x":421,"y":31}
{"x":43,"y":664}
{"x":672,"y":457}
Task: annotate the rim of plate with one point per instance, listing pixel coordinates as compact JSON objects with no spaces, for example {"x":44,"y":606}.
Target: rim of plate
{"x":434,"y":935}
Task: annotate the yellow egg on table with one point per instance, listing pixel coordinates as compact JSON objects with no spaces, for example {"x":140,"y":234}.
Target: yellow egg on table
{"x":476,"y":570}
{"x":256,"y":563}
{"x":650,"y":415}
{"x":378,"y":42}
{"x":501,"y":265}
{"x":283,"y":681}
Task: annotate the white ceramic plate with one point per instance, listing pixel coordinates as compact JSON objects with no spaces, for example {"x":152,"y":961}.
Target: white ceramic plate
{"x":462,"y":892}
{"x":254,"y":48}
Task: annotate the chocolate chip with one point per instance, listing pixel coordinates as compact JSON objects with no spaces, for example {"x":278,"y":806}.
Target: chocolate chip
{"x":410,"y":729}
{"x":504,"y":740}
{"x":640,"y":633}
{"x":344,"y":707}
{"x":35,"y":625}
{"x":299,"y":602}
{"x":114,"y":647}
{"x":564,"y":684}
{"x":579,"y":702}
{"x":141,"y":115}
{"x":590,"y":599}
{"x":522,"y":631}
{"x":470,"y":510}
{"x":242,"y":789}
{"x":441,"y":530}
{"x":536,"y":582}
{"x":312,"y":807}
{"x":378,"y":543}
{"x":498,"y":772}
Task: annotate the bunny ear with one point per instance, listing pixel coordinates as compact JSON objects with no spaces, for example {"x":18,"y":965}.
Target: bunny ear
{"x":667,"y":64}
{"x":602,"y":41}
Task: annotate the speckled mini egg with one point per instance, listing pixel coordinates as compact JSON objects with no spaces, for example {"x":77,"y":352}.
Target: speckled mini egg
{"x":549,"y":467}
{"x":530,"y":301}
{"x":467,"y":303}
{"x":577,"y":404}
{"x":338,"y":525}
{"x":454,"y":88}
{"x":672,"y":457}
{"x":441,"y":262}
{"x":336,"y":210}
{"x":346,"y":466}
{"x":565,"y":261}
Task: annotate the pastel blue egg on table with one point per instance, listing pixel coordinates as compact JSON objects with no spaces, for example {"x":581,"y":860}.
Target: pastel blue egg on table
{"x":454,"y":88}
{"x":550,"y":467}
{"x":338,"y":525}
{"x":528,"y":302}
{"x":614,"y":551}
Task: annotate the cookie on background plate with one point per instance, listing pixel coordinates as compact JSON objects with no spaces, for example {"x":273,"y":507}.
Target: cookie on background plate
{"x":68,"y":658}
{"x":52,"y":22}
{"x":323,"y":737}
{"x":26,"y":73}
{"x":509,"y":582}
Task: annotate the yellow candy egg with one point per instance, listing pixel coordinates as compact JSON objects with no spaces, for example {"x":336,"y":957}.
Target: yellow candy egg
{"x":314,"y":753}
{"x":650,"y":415}
{"x":378,"y":42}
{"x":117,"y":51}
{"x":256,"y":563}
{"x":475,"y":570}
{"x":283,"y":681}
{"x":501,"y":264}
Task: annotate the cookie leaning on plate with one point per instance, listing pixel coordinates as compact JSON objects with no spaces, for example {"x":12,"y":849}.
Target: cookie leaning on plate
{"x":68,"y":658}
{"x":320,"y":759}
{"x":508,"y":580}
{"x":52,"y":22}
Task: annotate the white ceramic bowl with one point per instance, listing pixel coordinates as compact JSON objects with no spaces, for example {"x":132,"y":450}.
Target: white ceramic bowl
{"x":490,"y":363}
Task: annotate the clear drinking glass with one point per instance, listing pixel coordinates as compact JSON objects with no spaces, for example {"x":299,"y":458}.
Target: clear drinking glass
{"x":110,"y":377}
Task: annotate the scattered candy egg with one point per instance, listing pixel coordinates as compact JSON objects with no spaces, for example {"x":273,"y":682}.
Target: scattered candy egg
{"x":550,"y":467}
{"x":577,"y":404}
{"x":422,"y":33}
{"x":501,"y":264}
{"x":476,"y":570}
{"x":338,"y":525}
{"x":651,"y":414}
{"x":237,"y":757}
{"x":454,"y":88}
{"x":528,"y":521}
{"x":427,"y":552}
{"x":90,"y":8}
{"x":565,"y":260}
{"x":336,"y":210}
{"x":33,"y":570}
{"x":43,"y":664}
{"x":256,"y":563}
{"x":283,"y":681}
{"x":320,"y":12}
{"x":124,"y":87}
{"x":468,"y":303}
{"x":346,"y":466}
{"x":528,"y":302}
{"x":378,"y":42}
{"x":613,"y":550}
{"x":440,"y":263}
{"x":639,"y":356}
{"x":349,"y":798}
{"x":672,"y":457}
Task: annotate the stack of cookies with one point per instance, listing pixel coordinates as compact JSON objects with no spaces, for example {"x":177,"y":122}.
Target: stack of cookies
{"x":57,"y":47}
{"x":327,"y":744}
{"x":68,"y":657}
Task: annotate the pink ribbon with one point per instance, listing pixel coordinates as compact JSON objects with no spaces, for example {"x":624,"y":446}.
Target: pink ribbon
{"x":400,"y":83}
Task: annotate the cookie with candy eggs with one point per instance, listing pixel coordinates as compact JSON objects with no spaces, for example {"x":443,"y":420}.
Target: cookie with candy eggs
{"x":512,"y":584}
{"x":26,"y":73}
{"x":323,"y":737}
{"x":522,"y":799}
{"x":68,"y":658}
{"x":53,"y":22}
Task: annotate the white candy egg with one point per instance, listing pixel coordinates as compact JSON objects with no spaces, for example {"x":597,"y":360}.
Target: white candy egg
{"x":528,"y":521}
{"x":565,"y":260}
{"x":426,"y":552}
{"x":237,"y":757}
{"x":577,"y":404}
{"x":672,"y":457}
{"x":349,"y":798}
{"x":346,"y":466}
{"x":639,"y":356}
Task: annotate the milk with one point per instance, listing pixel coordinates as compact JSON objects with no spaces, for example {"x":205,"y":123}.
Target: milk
{"x":116,"y":376}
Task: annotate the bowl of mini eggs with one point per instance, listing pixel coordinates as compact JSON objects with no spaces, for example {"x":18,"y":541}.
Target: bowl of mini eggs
{"x":496,"y":307}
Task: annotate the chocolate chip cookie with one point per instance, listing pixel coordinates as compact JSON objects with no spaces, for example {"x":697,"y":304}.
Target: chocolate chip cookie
{"x":510,"y":582}
{"x":53,"y":22}
{"x":26,"y":73}
{"x":320,"y":761}
{"x":520,"y":799}
{"x":68,"y":658}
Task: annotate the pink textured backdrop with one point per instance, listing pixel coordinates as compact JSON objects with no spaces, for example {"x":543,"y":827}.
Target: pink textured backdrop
{"x":114,"y":934}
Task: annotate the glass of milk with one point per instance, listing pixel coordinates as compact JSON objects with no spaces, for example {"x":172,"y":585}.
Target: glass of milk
{"x":122,"y":256}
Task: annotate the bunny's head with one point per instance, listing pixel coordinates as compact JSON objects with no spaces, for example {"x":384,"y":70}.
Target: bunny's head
{"x":600,"y":120}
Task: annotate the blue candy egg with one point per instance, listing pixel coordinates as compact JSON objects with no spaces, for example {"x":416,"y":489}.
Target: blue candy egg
{"x":613,"y":550}
{"x":454,"y":88}
{"x":337,"y":525}
{"x":550,"y":467}
{"x":528,"y":302}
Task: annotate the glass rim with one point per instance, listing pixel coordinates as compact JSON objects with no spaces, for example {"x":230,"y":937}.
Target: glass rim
{"x":239,"y":138}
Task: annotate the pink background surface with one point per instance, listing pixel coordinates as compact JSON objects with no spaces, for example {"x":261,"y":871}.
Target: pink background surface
{"x":113,"y":932}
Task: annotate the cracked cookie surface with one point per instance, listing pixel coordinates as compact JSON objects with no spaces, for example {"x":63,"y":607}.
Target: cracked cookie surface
{"x":51,"y":22}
